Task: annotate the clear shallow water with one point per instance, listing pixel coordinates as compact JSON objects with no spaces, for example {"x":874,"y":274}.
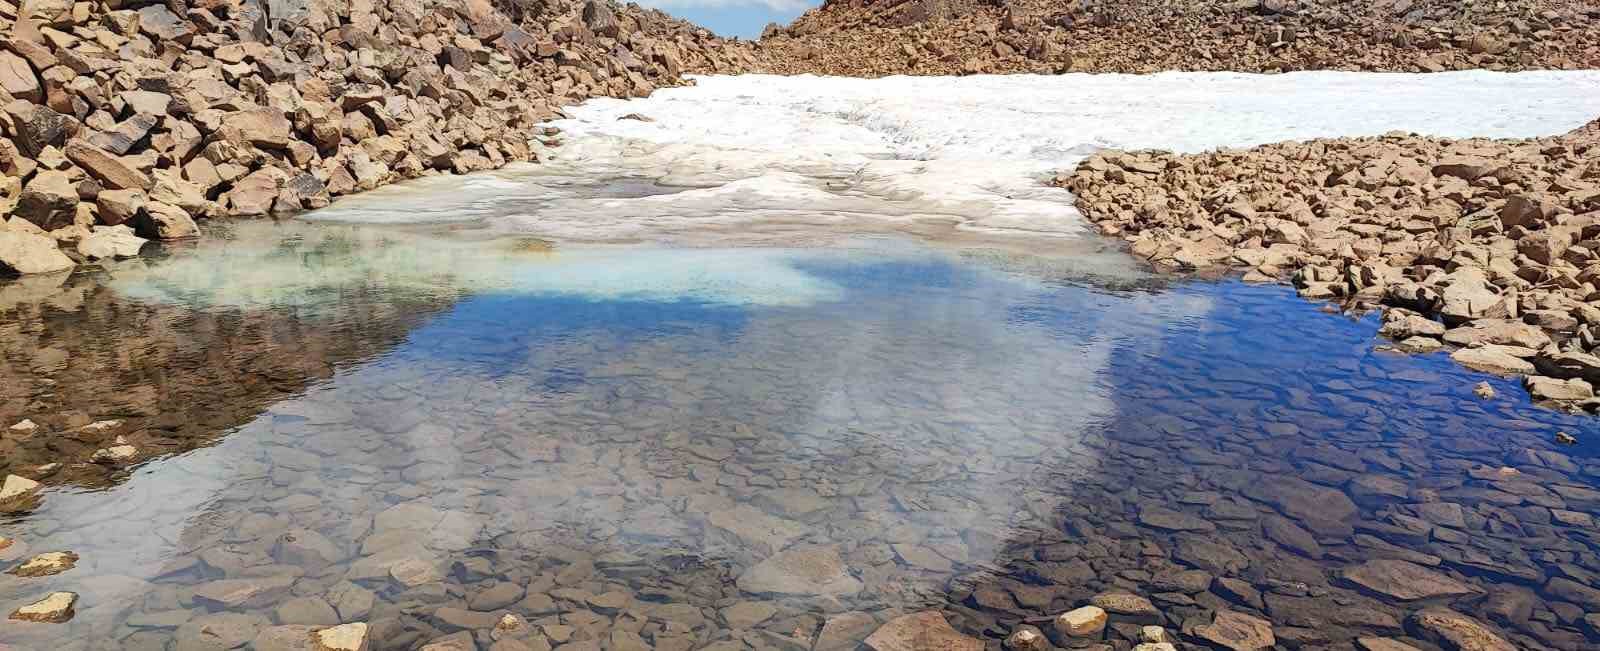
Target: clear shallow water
{"x":424,"y":433}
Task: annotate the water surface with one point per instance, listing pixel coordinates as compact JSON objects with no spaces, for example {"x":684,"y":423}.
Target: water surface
{"x":423,"y":432}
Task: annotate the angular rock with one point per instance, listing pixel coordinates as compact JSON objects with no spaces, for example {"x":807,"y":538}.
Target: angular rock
{"x":1404,"y":581}
{"x":26,"y":253}
{"x":1456,"y":631}
{"x":45,"y":564}
{"x":1237,"y":631}
{"x":801,"y":571}
{"x":924,"y":631}
{"x":53,"y":609}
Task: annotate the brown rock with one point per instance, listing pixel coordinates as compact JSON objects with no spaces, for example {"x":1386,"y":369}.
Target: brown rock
{"x":1456,"y":631}
{"x":49,"y":201}
{"x":164,"y":221}
{"x":17,"y":78}
{"x":108,"y":169}
{"x":924,"y":631}
{"x":1237,"y":631}
{"x":1404,"y":581}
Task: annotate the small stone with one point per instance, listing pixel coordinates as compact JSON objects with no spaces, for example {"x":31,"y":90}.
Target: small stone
{"x":345,"y":637}
{"x":23,"y":427}
{"x":19,"y":494}
{"x":1484,"y":391}
{"x":1154,"y":635}
{"x":1562,"y":438}
{"x":45,"y":564}
{"x":53,"y":609}
{"x":1087,"y":621}
{"x":1027,"y":638}
{"x":115,"y":454}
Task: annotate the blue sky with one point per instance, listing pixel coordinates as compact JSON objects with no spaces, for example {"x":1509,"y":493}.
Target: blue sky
{"x":743,"y":18}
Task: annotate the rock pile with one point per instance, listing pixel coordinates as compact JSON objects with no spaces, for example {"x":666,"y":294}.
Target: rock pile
{"x":132,"y":119}
{"x":1493,"y":246}
{"x":937,"y":37}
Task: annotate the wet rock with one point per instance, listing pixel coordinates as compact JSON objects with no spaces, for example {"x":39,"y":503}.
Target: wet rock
{"x":27,"y":253}
{"x":1127,"y":606}
{"x":110,"y":242}
{"x":1237,"y":631}
{"x":311,"y":611}
{"x":1483,"y":391}
{"x":1085,"y":622}
{"x":845,"y":631}
{"x":1456,"y":631}
{"x":233,"y":594}
{"x":45,"y":564}
{"x":801,"y":571}
{"x":1302,"y":500}
{"x":1383,"y":644}
{"x":55,"y":608}
{"x":1170,"y":520}
{"x":1027,"y":638}
{"x":747,"y":614}
{"x":498,"y":596}
{"x":1285,"y":532}
{"x":924,"y":631}
{"x":164,"y":221}
{"x":218,"y":631}
{"x":1492,"y":359}
{"x":282,"y":638}
{"x":1565,"y":589}
{"x":19,"y":494}
{"x":1405,"y":581}
{"x":1545,"y":388}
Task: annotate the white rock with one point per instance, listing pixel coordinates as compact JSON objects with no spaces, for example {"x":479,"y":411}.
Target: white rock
{"x":53,"y":609}
{"x":23,"y":427}
{"x":19,"y":494}
{"x":1087,"y":621}
{"x":114,"y":454}
{"x":345,"y":637}
{"x":111,"y":242}
{"x":26,"y":253}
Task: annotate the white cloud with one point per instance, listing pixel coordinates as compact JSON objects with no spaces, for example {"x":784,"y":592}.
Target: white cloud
{"x":780,"y":6}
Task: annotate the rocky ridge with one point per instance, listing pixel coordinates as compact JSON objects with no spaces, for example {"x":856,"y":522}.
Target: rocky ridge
{"x":941,"y":37}
{"x":127,"y":120}
{"x":1492,"y":246}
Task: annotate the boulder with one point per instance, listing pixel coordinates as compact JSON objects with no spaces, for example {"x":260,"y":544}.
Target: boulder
{"x":1546,"y":388}
{"x":164,"y":221}
{"x":49,"y":201}
{"x":118,"y":206}
{"x":28,"y":253}
{"x":18,"y":79}
{"x":1087,"y":621}
{"x":108,"y":169}
{"x":110,"y":242}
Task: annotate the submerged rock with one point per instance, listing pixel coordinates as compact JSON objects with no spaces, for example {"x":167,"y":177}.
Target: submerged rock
{"x":45,"y":564}
{"x":924,"y":631}
{"x":53,"y":609}
{"x":1456,"y":631}
{"x":345,"y":637}
{"x":1237,"y":631}
{"x":801,"y":571}
{"x":1404,"y":581}
{"x":18,"y":494}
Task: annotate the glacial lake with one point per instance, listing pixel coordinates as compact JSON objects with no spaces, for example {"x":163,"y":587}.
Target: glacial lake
{"x":761,"y":447}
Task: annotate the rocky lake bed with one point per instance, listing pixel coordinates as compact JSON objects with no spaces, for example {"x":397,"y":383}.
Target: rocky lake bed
{"x":770,"y":448}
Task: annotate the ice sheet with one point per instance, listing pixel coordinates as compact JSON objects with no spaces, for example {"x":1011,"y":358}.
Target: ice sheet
{"x":759,"y":157}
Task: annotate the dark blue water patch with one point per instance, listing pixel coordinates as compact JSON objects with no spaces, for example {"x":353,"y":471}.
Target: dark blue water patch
{"x":497,"y":333}
{"x":1262,"y":351}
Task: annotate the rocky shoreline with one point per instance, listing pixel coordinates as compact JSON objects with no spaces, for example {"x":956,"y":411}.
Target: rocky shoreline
{"x":122,"y":122}
{"x":874,"y":38}
{"x":1485,"y":246}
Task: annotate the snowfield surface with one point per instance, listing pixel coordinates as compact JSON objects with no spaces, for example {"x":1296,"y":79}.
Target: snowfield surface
{"x":793,"y":158}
